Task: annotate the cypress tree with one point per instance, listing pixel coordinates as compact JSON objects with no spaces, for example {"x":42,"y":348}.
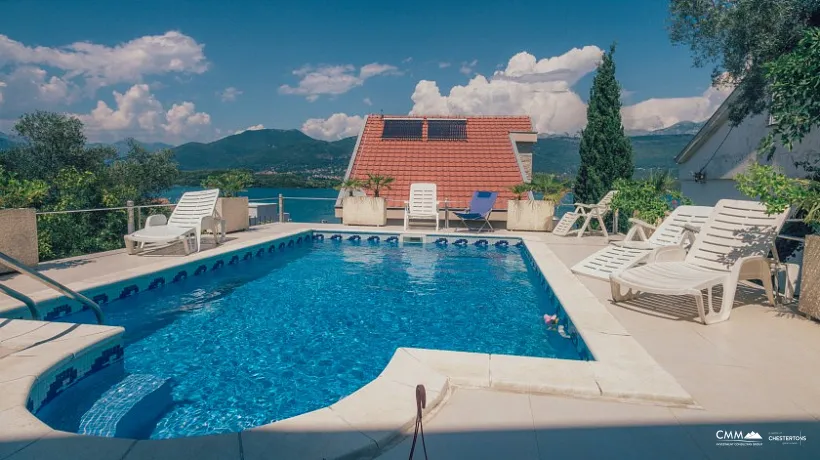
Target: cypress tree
{"x":606,"y":151}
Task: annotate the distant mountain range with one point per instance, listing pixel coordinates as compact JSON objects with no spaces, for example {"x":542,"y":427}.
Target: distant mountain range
{"x":293,"y":151}
{"x":685,"y":127}
{"x":9,"y":140}
{"x":122,"y":146}
{"x":560,"y":154}
{"x":266,"y":150}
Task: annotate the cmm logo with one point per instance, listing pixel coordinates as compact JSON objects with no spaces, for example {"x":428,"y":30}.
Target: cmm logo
{"x":736,"y":437}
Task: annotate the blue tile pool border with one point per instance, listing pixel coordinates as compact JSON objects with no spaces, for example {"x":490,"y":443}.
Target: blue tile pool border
{"x":61,"y":307}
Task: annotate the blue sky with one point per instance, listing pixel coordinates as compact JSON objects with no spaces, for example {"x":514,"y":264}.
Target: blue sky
{"x":321,"y":65}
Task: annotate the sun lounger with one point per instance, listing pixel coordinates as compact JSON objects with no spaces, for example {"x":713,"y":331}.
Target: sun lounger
{"x":731,"y":246}
{"x":675,"y":230}
{"x":588,"y":212}
{"x":193,"y":213}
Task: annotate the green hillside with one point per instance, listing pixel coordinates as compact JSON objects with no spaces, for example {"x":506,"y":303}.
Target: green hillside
{"x":122,"y":146}
{"x":266,"y":149}
{"x":560,"y":154}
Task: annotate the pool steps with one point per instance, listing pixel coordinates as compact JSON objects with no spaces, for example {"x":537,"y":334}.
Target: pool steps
{"x":130,"y":408}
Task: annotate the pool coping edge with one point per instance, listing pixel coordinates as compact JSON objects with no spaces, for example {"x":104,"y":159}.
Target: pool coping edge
{"x":622,"y":369}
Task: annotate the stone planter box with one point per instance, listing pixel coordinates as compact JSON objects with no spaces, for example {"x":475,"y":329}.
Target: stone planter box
{"x":235,"y":212}
{"x":810,"y":280}
{"x":364,"y":210}
{"x":530,"y":215}
{"x":18,"y":236}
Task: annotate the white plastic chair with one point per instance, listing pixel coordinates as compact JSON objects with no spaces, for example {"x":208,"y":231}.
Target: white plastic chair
{"x":731,"y":246}
{"x":192,"y":214}
{"x":678,"y":229}
{"x":588,"y":212}
{"x":422,"y":204}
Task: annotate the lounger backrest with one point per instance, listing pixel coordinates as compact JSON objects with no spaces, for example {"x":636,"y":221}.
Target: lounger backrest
{"x":483,"y":202}
{"x":423,"y":199}
{"x":671,"y":230}
{"x":193,"y":206}
{"x":735,"y":229}
{"x":607,"y":199}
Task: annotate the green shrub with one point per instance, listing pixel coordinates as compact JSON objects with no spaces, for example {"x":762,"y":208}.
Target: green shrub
{"x":229,"y":183}
{"x":650,"y":200}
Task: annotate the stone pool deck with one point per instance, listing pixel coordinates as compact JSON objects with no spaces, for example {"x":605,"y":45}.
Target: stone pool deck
{"x":756,"y":371}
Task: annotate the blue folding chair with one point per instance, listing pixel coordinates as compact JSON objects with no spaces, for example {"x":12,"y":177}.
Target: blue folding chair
{"x":481,"y":205}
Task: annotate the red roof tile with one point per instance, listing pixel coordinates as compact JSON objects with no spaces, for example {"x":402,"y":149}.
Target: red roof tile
{"x":485,"y":161}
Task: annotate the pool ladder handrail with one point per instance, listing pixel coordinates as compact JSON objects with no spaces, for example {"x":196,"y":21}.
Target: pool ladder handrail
{"x":21,"y":268}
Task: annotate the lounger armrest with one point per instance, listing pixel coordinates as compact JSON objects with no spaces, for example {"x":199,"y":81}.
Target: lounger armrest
{"x":751,"y":268}
{"x":636,"y":232}
{"x":667,"y":254}
{"x":156,"y":220}
{"x":642,"y":223}
{"x":689,"y":234}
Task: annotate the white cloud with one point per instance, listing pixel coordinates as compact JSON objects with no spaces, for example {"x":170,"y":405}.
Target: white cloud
{"x":334,"y":80}
{"x":137,"y":113}
{"x":653,"y":114}
{"x":543,"y":90}
{"x":250,"y":128}
{"x":443,"y":65}
{"x":3,"y":85}
{"x":229,"y":94}
{"x":371,"y":70}
{"x":337,"y":126}
{"x":100,"y":65}
{"x":367,"y":101}
{"x":407,"y":60}
{"x":182,"y":117}
{"x":468,"y":68}
{"x":31,"y":87}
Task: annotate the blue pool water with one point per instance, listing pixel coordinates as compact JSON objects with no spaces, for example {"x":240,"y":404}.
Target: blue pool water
{"x":296,"y":331}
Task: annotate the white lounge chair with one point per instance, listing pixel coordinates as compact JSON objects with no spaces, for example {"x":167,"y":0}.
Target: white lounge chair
{"x":676,"y":230}
{"x":588,"y":212}
{"x":422,"y":204}
{"x":192,"y":214}
{"x":731,"y":246}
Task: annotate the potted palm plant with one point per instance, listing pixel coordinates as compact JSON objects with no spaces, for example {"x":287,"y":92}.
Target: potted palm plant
{"x":231,"y":207}
{"x":350,"y":186}
{"x":365,"y":210}
{"x":532,"y":214}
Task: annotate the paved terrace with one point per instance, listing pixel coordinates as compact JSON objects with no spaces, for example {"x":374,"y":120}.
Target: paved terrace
{"x":756,"y":372}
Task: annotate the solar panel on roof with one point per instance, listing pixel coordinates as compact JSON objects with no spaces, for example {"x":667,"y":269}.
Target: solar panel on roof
{"x":447,"y":130}
{"x":402,"y":129}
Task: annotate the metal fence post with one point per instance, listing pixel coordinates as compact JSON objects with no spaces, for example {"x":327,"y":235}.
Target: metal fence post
{"x":446,"y":214}
{"x":130,"y":205}
{"x":615,"y":223}
{"x":281,"y":208}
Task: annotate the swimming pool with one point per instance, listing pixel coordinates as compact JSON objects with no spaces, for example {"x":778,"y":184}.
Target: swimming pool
{"x":285,"y":332}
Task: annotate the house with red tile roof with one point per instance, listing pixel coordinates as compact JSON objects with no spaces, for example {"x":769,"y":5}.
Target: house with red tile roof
{"x":460,"y":155}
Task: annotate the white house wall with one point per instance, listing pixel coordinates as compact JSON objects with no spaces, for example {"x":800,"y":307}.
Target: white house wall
{"x":738,"y":151}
